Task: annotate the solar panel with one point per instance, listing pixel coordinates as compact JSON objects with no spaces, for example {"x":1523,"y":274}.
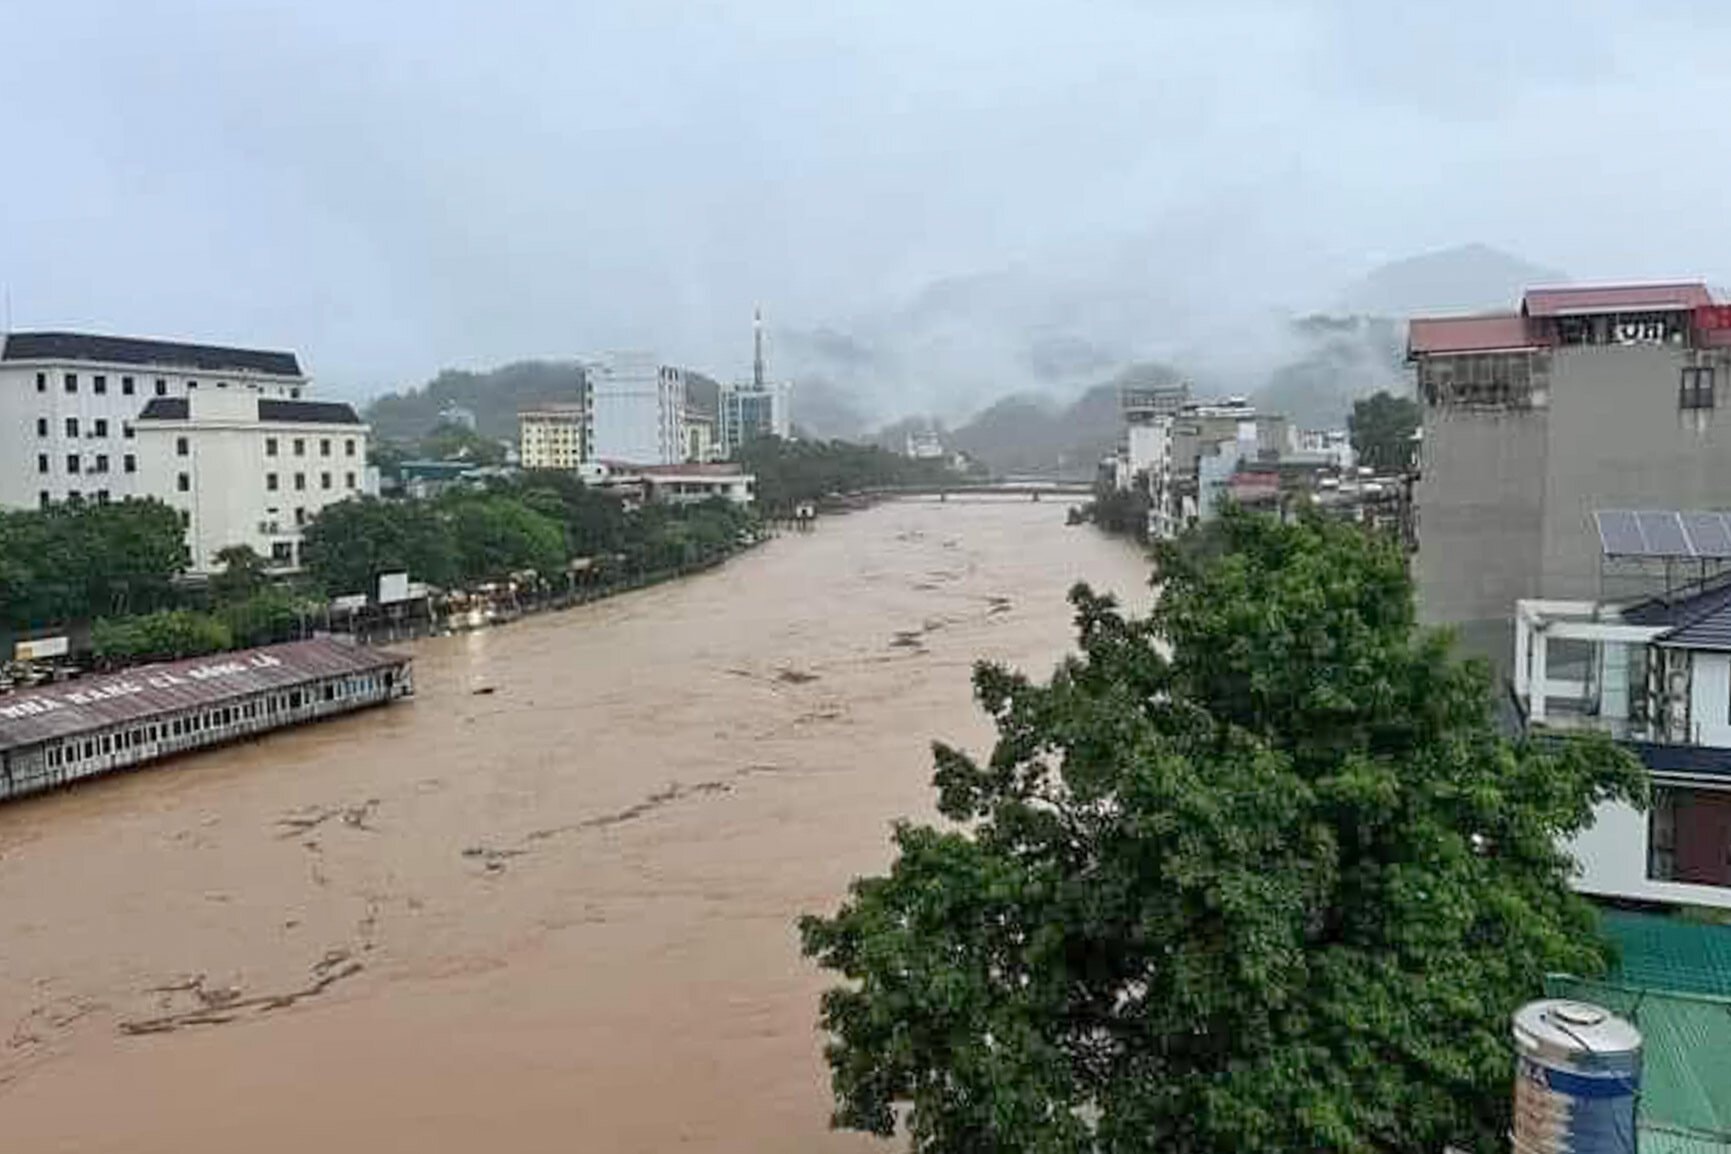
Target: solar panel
{"x":1664,"y":534}
{"x":1710,"y":534}
{"x":1619,"y":534}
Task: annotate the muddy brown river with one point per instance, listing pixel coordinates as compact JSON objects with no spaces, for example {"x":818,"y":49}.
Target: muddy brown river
{"x":554,"y":917}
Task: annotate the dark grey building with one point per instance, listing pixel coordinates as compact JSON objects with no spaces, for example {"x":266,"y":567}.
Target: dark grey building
{"x":1584,"y":399}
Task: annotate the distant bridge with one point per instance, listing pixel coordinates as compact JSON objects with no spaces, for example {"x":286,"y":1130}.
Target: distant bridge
{"x":1034,"y":490}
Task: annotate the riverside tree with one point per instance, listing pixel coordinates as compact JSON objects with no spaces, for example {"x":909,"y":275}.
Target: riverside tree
{"x":1254,"y":873}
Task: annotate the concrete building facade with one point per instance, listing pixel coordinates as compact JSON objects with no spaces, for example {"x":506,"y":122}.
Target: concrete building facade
{"x":1584,"y":399}
{"x":750,"y":411}
{"x":554,"y":436}
{"x":638,"y":407}
{"x":246,"y":469}
{"x":69,"y":403}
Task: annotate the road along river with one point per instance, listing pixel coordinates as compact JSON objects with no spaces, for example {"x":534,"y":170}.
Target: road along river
{"x":557,"y":916}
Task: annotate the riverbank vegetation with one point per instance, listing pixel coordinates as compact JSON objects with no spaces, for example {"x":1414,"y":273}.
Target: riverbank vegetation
{"x":1254,"y":873}
{"x":115,"y":575}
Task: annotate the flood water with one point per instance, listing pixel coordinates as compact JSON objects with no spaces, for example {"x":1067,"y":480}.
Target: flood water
{"x":558,"y":916}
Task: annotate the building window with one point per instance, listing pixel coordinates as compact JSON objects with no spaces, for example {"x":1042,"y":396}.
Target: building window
{"x":126,"y":432}
{"x":71,"y":426}
{"x":300,"y":447}
{"x":100,"y":384}
{"x":1696,"y":389}
{"x":183,"y":482}
{"x":1689,"y":836}
{"x":102,"y":496}
{"x":282,"y":553}
{"x":300,"y":482}
{"x":295,"y":393}
{"x":161,"y":387}
{"x":270,"y":482}
{"x":41,"y":462}
{"x":101,"y":463}
{"x":101,"y":427}
{"x":300,"y":516}
{"x":71,"y":382}
{"x":324,"y":446}
{"x":72,"y":462}
{"x":191,"y":384}
{"x":42,"y":499}
{"x":129,"y":463}
{"x":182,"y":446}
{"x":127,"y":386}
{"x":270,"y":446}
{"x":349,"y":447}
{"x":42,"y":382}
{"x":324,"y":481}
{"x":349,"y":481}
{"x":41,"y":426}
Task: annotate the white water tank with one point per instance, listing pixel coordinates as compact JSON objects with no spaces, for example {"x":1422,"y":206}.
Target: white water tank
{"x":1577,"y":1078}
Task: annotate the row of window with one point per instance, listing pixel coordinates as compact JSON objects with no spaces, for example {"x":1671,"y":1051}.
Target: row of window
{"x":98,"y":464}
{"x":299,"y":444}
{"x":1695,"y":389}
{"x":107,"y":744}
{"x":98,"y":427}
{"x":44,"y":498}
{"x":300,"y":482}
{"x":128,"y":385}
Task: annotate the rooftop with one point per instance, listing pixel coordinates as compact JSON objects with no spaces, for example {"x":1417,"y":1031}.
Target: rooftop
{"x":286,"y":412}
{"x":1489,"y":332}
{"x":96,"y":349}
{"x":48,"y":713}
{"x":1580,"y":300}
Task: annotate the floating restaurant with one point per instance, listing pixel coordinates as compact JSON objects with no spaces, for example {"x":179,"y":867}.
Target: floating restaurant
{"x":53,"y":735}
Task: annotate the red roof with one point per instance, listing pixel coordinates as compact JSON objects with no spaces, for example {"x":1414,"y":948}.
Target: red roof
{"x":1490,"y":332}
{"x":1628,"y":298}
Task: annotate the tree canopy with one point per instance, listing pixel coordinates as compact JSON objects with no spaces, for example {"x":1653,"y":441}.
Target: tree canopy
{"x":1254,"y":873}
{"x":791,"y":472}
{"x":77,"y":562}
{"x":1382,"y":426}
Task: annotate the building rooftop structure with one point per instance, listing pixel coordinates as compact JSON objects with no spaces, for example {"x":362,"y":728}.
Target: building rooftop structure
{"x":289,"y":412}
{"x":53,"y":712}
{"x":98,"y":349}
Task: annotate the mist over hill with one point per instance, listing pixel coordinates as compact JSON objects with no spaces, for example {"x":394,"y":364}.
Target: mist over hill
{"x":1016,"y":364}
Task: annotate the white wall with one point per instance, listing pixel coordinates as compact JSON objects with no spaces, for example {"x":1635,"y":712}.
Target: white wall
{"x":21,"y":406}
{"x":639,"y":411}
{"x":1612,"y":854}
{"x":1710,"y":698}
{"x":229,"y":501}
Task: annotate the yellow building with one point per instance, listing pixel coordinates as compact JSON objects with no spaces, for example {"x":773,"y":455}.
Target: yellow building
{"x":553,"y":436}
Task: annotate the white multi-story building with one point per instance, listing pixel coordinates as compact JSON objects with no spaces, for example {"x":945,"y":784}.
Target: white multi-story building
{"x":69,"y":403}
{"x":553,"y":436}
{"x":249,"y":469}
{"x":1656,"y":675}
{"x":638,"y":407}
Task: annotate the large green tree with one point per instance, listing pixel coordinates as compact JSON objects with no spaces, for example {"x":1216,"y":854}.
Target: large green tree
{"x":1382,"y":427}
{"x":498,"y":535}
{"x":1254,"y":873}
{"x":77,"y":562}
{"x":349,"y":544}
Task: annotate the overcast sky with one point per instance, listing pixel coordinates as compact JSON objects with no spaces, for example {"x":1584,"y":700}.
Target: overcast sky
{"x":391,"y":188}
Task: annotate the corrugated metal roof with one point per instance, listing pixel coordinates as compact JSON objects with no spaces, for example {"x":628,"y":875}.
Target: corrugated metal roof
{"x":1699,"y":621}
{"x":139,"y":351}
{"x":47,"y":713}
{"x":1491,"y":332}
{"x":1627,"y":298}
{"x":1673,"y":981}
